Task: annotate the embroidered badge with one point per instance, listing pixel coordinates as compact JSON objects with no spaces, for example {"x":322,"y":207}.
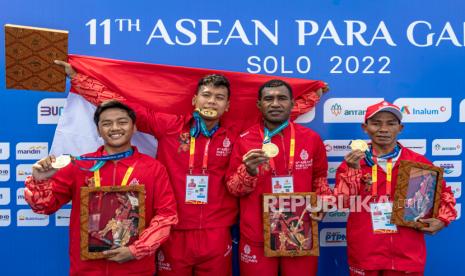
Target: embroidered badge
{"x":184,"y":140}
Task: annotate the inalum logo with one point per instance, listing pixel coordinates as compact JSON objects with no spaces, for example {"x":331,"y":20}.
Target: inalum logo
{"x":425,"y":110}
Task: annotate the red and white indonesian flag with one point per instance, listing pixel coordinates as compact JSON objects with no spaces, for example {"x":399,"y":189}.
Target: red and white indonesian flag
{"x":163,"y":88}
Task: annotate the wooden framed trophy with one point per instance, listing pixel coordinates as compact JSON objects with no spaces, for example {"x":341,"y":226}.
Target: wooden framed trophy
{"x":111,"y":217}
{"x":287,"y":226}
{"x":417,"y":195}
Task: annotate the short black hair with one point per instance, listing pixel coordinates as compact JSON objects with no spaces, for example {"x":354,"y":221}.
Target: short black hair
{"x":113,"y":104}
{"x":274,"y":83}
{"x":215,"y":80}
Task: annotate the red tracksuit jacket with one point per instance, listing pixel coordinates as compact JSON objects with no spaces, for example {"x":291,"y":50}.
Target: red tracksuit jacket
{"x":403,"y":251}
{"x":172,"y":133}
{"x":48,"y":196}
{"x":309,"y":173}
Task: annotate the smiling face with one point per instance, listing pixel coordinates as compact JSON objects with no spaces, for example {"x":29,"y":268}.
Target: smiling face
{"x":275,"y":104}
{"x":116,"y":128}
{"x":383,"y":129}
{"x":212,"y":97}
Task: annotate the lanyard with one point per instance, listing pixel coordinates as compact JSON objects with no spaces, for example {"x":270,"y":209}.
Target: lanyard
{"x":124,"y":182}
{"x":374,"y":175}
{"x":290,"y":166}
{"x":101,"y":160}
{"x":269,"y":135}
{"x":192,"y":156}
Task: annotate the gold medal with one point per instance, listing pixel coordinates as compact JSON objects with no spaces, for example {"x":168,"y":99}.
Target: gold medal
{"x":210,"y":113}
{"x":270,"y":149}
{"x":359,"y":145}
{"x":61,"y":161}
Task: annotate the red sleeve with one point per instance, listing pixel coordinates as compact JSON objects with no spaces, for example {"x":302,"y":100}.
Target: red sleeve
{"x":238,"y":181}
{"x":347,"y":180}
{"x":164,"y":205}
{"x":320,"y":165}
{"x":447,"y":212}
{"x":47,"y":196}
{"x":148,"y":121}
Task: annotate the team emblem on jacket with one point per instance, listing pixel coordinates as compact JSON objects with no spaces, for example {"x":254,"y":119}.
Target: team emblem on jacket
{"x":184,"y":140}
{"x":226,"y":143}
{"x":225,"y":151}
{"x":304,"y":155}
{"x":304,"y":162}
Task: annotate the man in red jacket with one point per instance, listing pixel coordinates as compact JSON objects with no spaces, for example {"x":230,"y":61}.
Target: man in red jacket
{"x":115,"y":163}
{"x":371,"y":175}
{"x":301,"y":161}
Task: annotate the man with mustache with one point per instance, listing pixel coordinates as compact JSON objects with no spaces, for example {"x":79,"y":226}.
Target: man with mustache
{"x":301,"y":161}
{"x":389,"y":250}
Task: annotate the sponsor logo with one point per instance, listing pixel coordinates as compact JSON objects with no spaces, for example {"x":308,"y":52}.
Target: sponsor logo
{"x":31,"y":151}
{"x":458,"y":208}
{"x":4,"y":151}
{"x":20,"y":199}
{"x":4,"y":196}
{"x":23,"y":171}
{"x":62,"y":217}
{"x":451,"y":168}
{"x":5,"y":217}
{"x":456,"y":188}
{"x":26,"y":217}
{"x":338,"y":216}
{"x":416,"y":145}
{"x":330,"y":237}
{"x":425,"y":110}
{"x":306,"y":117}
{"x":4,"y":172}
{"x":49,"y":110}
{"x":337,"y":147}
{"x":332,"y":168}
{"x":462,"y":111}
{"x":347,"y":110}
{"x":447,"y":146}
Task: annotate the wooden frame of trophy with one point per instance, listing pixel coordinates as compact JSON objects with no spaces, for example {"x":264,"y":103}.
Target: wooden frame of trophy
{"x":417,"y":194}
{"x":290,"y":231}
{"x":111,"y":216}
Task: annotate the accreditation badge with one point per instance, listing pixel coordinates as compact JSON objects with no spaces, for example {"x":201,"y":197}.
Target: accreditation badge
{"x":381,"y":218}
{"x":196,"y":189}
{"x":282,"y":184}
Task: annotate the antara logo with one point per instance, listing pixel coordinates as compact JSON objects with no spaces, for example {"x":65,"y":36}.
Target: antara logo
{"x":336,"y":109}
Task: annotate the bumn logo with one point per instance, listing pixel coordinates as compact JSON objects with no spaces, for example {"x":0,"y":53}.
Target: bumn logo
{"x":49,"y":110}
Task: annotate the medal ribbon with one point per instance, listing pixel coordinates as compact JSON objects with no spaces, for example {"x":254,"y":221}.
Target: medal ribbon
{"x":200,"y":126}
{"x":192,"y":156}
{"x":101,"y":160}
{"x":371,"y":155}
{"x":269,"y":135}
{"x":124,"y":182}
{"x":290,"y":166}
